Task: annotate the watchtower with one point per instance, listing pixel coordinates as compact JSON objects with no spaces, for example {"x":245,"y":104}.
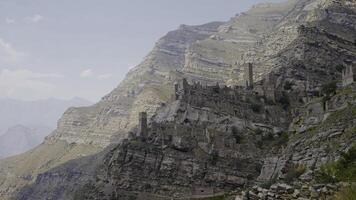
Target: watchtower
{"x":248,"y":76}
{"x":142,"y":125}
{"x":269,"y":86}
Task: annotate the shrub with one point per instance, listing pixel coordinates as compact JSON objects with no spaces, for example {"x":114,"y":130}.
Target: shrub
{"x":329,"y":89}
{"x":288,"y":85}
{"x":348,"y":193}
{"x":213,"y":157}
{"x":327,"y":173}
{"x":284,"y":100}
{"x":258,"y":131}
{"x":236,"y":134}
{"x":294,"y":172}
{"x":221,"y":197}
{"x":342,"y":170}
{"x":282,"y":140}
{"x":256,"y":107}
{"x":339,"y":68}
{"x":270,"y":182}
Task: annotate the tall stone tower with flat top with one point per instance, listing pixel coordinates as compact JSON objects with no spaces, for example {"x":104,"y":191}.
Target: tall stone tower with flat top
{"x":142,"y":125}
{"x":248,"y":78}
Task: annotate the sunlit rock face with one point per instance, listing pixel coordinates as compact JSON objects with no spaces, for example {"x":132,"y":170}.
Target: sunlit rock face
{"x":144,"y":89}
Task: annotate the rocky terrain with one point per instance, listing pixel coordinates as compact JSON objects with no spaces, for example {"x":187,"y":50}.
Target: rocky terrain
{"x":207,"y":140}
{"x":197,"y":147}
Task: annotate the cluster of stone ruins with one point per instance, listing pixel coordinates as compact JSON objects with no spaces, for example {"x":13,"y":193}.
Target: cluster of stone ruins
{"x":230,"y":100}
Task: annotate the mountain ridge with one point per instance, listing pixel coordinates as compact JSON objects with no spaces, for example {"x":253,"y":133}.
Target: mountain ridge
{"x":85,"y":131}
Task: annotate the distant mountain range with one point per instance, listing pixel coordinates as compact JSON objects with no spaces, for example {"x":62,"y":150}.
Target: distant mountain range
{"x":24,"y":124}
{"x":19,"y":139}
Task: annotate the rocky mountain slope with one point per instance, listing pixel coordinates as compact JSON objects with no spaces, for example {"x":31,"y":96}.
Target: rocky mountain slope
{"x":198,"y":147}
{"x":303,"y":41}
{"x":87,"y":130}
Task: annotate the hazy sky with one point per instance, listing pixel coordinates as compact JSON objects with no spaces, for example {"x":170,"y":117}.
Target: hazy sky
{"x":84,"y":48}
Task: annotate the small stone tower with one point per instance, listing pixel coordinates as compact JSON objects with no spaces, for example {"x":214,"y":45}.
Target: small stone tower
{"x":349,"y":74}
{"x":183,"y":85}
{"x":248,"y":78}
{"x":142,"y":125}
{"x":269,"y":86}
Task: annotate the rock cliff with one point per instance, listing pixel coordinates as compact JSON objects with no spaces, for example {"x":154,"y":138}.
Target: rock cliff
{"x":301,"y":44}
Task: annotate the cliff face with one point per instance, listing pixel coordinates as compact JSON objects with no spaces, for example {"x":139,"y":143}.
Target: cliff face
{"x":270,"y":35}
{"x":201,"y":144}
{"x":87,"y":130}
{"x":198,"y":147}
{"x":144,"y":89}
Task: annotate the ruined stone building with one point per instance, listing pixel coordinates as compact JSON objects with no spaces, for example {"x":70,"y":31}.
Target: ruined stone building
{"x":269,"y":87}
{"x":349,"y":74}
{"x":234,"y":101}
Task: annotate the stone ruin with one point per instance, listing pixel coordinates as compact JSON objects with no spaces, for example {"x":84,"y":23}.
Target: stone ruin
{"x":235,"y":101}
{"x":221,"y":98}
{"x":269,"y":87}
{"x":349,"y":74}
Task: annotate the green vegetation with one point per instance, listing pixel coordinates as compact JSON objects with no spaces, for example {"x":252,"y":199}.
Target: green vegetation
{"x":342,"y":170}
{"x":329,"y":89}
{"x":269,"y":141}
{"x":237,"y":135}
{"x":220,"y":197}
{"x":282,"y":140}
{"x":213,"y":157}
{"x":336,"y":117}
{"x":269,"y":183}
{"x":345,"y":91}
{"x":256,"y":108}
{"x":339,"y":68}
{"x":294,"y":172}
{"x":344,"y":114}
{"x":288,"y":85}
{"x":348,"y":193}
{"x":284,"y":100}
{"x":258,"y":131}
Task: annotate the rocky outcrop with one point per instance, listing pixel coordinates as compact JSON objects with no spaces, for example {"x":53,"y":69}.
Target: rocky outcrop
{"x":300,"y":191}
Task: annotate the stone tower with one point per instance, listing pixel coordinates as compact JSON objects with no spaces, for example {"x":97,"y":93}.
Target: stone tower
{"x":142,"y":125}
{"x":248,"y":78}
{"x":349,"y":74}
{"x":269,"y":86}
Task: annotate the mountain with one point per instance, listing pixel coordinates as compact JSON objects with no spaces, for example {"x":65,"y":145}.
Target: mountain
{"x":35,"y":113}
{"x":19,"y":139}
{"x":212,"y":141}
{"x":25,"y":124}
{"x":300,"y":45}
